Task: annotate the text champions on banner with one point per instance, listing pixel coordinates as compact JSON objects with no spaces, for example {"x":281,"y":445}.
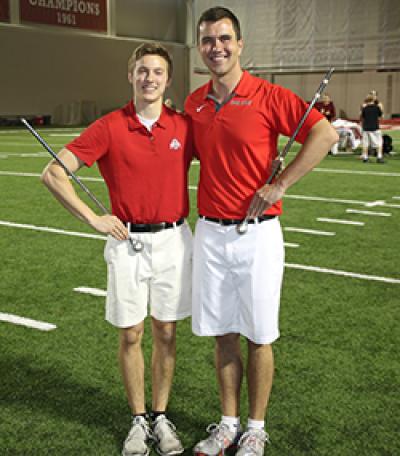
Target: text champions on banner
{"x":4,"y":11}
{"x":83,"y":14}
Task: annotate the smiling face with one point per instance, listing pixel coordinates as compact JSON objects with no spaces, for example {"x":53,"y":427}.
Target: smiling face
{"x":149,"y":79}
{"x":219,"y":47}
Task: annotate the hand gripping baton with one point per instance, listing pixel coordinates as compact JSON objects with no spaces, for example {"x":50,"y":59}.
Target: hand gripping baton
{"x":136,"y":245}
{"x":278,"y":162}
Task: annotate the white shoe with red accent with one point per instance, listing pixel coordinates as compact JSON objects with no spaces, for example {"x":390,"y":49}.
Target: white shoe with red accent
{"x":252,"y":443}
{"x":220,"y":439}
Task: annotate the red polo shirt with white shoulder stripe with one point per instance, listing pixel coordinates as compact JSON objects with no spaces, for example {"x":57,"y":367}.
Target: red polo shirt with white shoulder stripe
{"x":145,"y":172}
{"x":237,"y":143}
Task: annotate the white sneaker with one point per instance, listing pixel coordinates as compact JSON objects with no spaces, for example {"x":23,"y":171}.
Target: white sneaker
{"x":220,"y":439}
{"x":252,"y":443}
{"x":136,"y":444}
{"x":164,"y":433}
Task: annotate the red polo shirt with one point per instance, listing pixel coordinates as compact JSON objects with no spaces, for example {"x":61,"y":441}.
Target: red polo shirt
{"x":237,"y":143}
{"x":145,"y":172}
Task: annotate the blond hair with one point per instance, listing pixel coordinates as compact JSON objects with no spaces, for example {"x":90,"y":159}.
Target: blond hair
{"x":151,"y":49}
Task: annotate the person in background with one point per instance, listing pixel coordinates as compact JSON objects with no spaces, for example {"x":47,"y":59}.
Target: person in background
{"x":326,"y":107}
{"x":371,"y":112}
{"x":374,"y":95}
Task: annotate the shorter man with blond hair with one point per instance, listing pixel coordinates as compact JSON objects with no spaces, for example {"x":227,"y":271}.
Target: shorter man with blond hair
{"x":143,"y":151}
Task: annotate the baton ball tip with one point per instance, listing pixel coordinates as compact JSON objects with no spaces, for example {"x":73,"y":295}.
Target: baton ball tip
{"x":242,"y":228}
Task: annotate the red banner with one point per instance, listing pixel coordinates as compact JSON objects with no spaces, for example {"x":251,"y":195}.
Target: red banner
{"x":83,"y":14}
{"x":4,"y":11}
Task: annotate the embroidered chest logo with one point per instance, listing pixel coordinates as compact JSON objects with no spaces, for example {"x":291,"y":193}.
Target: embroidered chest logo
{"x":174,"y":144}
{"x":242,"y":102}
{"x":199,"y":108}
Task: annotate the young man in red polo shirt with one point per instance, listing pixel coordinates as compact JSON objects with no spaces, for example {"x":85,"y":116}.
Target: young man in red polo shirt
{"x":143,"y":151}
{"x":237,"y":119}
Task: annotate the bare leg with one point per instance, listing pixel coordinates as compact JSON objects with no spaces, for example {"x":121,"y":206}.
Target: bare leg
{"x":132,"y":366}
{"x":364,"y":155}
{"x":229,"y":367}
{"x":260,"y":373}
{"x":163,"y":362}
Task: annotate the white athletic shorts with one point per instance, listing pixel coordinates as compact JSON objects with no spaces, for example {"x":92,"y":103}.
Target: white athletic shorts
{"x":158,"y":277}
{"x":237,"y":280}
{"x":372,"y":139}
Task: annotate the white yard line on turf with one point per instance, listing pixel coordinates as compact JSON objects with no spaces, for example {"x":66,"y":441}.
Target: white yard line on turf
{"x":32,"y":155}
{"x":64,"y":134}
{"x":79,"y":234}
{"x":91,"y":291}
{"x":28,"y":144}
{"x":326,"y":200}
{"x":381,"y":203}
{"x":303,"y":267}
{"x":343,"y":222}
{"x":343,"y":201}
{"x":14,"y":174}
{"x":362,"y":173}
{"x":194,"y":188}
{"x":40,"y":130}
{"x":314,"y":198}
{"x":75,"y":233}
{"x":289,"y":265}
{"x":396,"y":197}
{"x":51,"y":230}
{"x":307,"y":231}
{"x":378,"y":214}
{"x":342,"y":273}
{"x":342,"y":171}
{"x":17,"y":320}
{"x":291,"y":245}
{"x":8,"y":173}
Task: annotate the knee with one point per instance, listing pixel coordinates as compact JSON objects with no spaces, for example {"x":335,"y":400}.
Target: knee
{"x":164,"y":333}
{"x":131,"y":337}
{"x":229,"y":343}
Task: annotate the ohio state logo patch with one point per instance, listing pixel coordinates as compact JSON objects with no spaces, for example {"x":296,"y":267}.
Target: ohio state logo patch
{"x":175,"y":144}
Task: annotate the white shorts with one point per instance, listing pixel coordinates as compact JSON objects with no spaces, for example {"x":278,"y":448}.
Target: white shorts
{"x":372,"y":139}
{"x":159,"y":276}
{"x":237,"y":280}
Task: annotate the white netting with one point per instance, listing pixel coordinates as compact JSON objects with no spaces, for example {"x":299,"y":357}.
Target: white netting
{"x":284,"y":35}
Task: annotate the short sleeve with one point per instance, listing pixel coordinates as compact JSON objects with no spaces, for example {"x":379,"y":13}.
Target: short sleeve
{"x":287,"y":110}
{"x":92,"y":144}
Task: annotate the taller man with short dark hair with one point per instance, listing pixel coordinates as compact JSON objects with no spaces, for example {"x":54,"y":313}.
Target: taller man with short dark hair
{"x":237,"y":119}
{"x":143,"y":151}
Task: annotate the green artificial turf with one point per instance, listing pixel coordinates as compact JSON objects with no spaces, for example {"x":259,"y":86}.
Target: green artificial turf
{"x":337,"y":367}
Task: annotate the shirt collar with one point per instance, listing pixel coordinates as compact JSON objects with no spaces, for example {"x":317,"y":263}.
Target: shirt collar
{"x":135,"y":124}
{"x":242,"y":89}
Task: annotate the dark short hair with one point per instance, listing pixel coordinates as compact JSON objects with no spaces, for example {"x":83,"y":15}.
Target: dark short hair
{"x":151,"y":49}
{"x":216,"y":14}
